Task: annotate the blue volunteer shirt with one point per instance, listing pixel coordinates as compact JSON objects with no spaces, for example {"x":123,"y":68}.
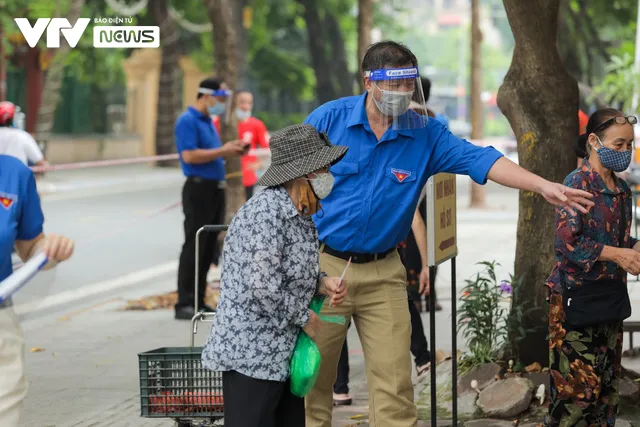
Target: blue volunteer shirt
{"x":195,"y":130}
{"x":20,"y":212}
{"x":442,"y":119}
{"x":378,"y":183}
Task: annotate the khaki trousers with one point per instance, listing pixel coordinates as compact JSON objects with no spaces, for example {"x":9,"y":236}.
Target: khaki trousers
{"x":13,"y":385}
{"x":377,"y":301}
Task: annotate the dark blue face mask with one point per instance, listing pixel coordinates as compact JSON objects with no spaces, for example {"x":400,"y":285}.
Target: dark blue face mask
{"x":617,"y":161}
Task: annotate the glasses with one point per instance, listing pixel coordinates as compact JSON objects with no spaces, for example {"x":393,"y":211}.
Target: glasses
{"x":620,"y":120}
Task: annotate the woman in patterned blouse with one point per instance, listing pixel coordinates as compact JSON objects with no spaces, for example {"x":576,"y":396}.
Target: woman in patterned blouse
{"x":270,"y":272}
{"x":592,"y":250}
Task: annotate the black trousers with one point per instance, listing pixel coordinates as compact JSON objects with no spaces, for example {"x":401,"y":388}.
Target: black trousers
{"x":248,"y":192}
{"x":249,"y":402}
{"x":419,"y":349}
{"x":341,"y":386}
{"x":203,"y":203}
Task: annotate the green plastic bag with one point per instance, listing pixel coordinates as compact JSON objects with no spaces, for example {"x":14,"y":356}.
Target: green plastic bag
{"x":305,"y":362}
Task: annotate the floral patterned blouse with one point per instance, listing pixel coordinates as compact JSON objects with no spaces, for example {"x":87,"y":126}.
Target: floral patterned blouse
{"x":270,"y":272}
{"x":580,"y":238}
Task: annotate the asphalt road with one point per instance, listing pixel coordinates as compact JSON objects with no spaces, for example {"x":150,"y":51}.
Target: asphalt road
{"x":116,"y":234}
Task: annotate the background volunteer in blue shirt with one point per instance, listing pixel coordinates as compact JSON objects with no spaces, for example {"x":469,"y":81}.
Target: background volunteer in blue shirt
{"x":203,"y":199}
{"x":392,"y":153}
{"x":21,"y":225}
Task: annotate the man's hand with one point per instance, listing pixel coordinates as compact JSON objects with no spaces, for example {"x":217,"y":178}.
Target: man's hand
{"x":569,"y":198}
{"x":425,"y":286}
{"x":232,"y":149}
{"x":333,"y":288}
{"x":57,"y":248}
{"x":313,"y":326}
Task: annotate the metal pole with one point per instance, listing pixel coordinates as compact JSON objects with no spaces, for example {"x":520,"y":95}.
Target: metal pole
{"x":197,"y":261}
{"x":454,"y":346}
{"x":432,"y":336}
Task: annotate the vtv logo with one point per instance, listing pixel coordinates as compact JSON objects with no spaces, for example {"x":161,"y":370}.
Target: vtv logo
{"x":54,"y":27}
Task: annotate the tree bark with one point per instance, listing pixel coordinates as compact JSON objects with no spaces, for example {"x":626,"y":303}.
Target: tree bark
{"x":169,"y":66}
{"x":3,"y":67}
{"x":478,"y":192}
{"x":343,"y":80}
{"x":241,"y":42}
{"x":53,"y":80}
{"x":325,"y":91}
{"x":226,"y":64}
{"x":540,"y":100}
{"x":365,"y":26}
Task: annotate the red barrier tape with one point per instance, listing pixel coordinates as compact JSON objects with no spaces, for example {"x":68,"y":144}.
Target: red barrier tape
{"x":119,"y":162}
{"x":102,"y":163}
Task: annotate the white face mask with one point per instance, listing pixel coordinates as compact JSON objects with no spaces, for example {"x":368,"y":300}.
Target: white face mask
{"x":393,"y":103}
{"x":322,"y":184}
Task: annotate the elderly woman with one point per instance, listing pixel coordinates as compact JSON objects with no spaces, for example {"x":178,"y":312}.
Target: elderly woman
{"x":270,"y":273}
{"x":588,"y":286}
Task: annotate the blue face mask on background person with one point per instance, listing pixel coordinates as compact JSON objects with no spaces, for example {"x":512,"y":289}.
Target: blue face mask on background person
{"x":217,"y":110}
{"x":617,"y":161}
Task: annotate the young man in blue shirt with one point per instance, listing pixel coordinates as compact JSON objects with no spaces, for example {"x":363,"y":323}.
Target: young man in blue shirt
{"x":392,"y":153}
{"x":21,"y":227}
{"x":203,"y":200}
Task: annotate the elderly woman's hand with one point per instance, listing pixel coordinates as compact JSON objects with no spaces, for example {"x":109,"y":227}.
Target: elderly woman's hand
{"x":629,"y":260}
{"x":334,"y":288}
{"x":313,"y":326}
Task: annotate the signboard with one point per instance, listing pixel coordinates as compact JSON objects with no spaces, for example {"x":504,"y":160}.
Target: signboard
{"x":442,"y":241}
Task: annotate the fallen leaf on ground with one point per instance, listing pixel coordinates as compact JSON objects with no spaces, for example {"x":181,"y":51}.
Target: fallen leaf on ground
{"x":36,"y":350}
{"x":441,"y":356}
{"x":169,"y":300}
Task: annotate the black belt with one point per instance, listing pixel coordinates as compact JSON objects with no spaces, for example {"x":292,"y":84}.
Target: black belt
{"x":212,"y":182}
{"x":356,"y":258}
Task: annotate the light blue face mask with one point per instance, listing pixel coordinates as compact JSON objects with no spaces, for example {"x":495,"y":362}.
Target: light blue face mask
{"x":242,"y":115}
{"x":217,"y":110}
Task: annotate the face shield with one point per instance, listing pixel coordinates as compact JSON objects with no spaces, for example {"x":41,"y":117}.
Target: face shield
{"x":222,"y":105}
{"x":393,"y":91}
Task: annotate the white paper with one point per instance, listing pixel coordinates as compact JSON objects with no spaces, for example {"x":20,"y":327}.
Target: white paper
{"x":22,"y":276}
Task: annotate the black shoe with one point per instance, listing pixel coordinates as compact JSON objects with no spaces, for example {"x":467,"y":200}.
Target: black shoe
{"x":206,"y":308}
{"x":185,"y":313}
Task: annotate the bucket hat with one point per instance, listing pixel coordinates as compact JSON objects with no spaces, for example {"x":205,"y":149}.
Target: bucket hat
{"x":297,"y":151}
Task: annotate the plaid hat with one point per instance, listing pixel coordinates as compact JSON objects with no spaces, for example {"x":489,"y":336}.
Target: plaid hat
{"x":297,"y":151}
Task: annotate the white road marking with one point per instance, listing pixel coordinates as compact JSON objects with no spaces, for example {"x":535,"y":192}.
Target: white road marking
{"x":125,"y":281}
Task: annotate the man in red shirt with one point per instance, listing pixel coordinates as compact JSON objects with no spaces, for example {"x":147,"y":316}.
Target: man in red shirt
{"x":254,"y":134}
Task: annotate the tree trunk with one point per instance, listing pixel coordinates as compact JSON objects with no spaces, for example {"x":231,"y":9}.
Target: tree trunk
{"x":567,"y":42}
{"x":325,"y":91}
{"x":3,"y":67}
{"x":540,"y":100}
{"x":478,"y":192}
{"x":169,"y":66}
{"x":365,"y":26}
{"x":241,"y":42}
{"x":224,"y":44}
{"x":53,"y":80}
{"x":339,"y":69}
